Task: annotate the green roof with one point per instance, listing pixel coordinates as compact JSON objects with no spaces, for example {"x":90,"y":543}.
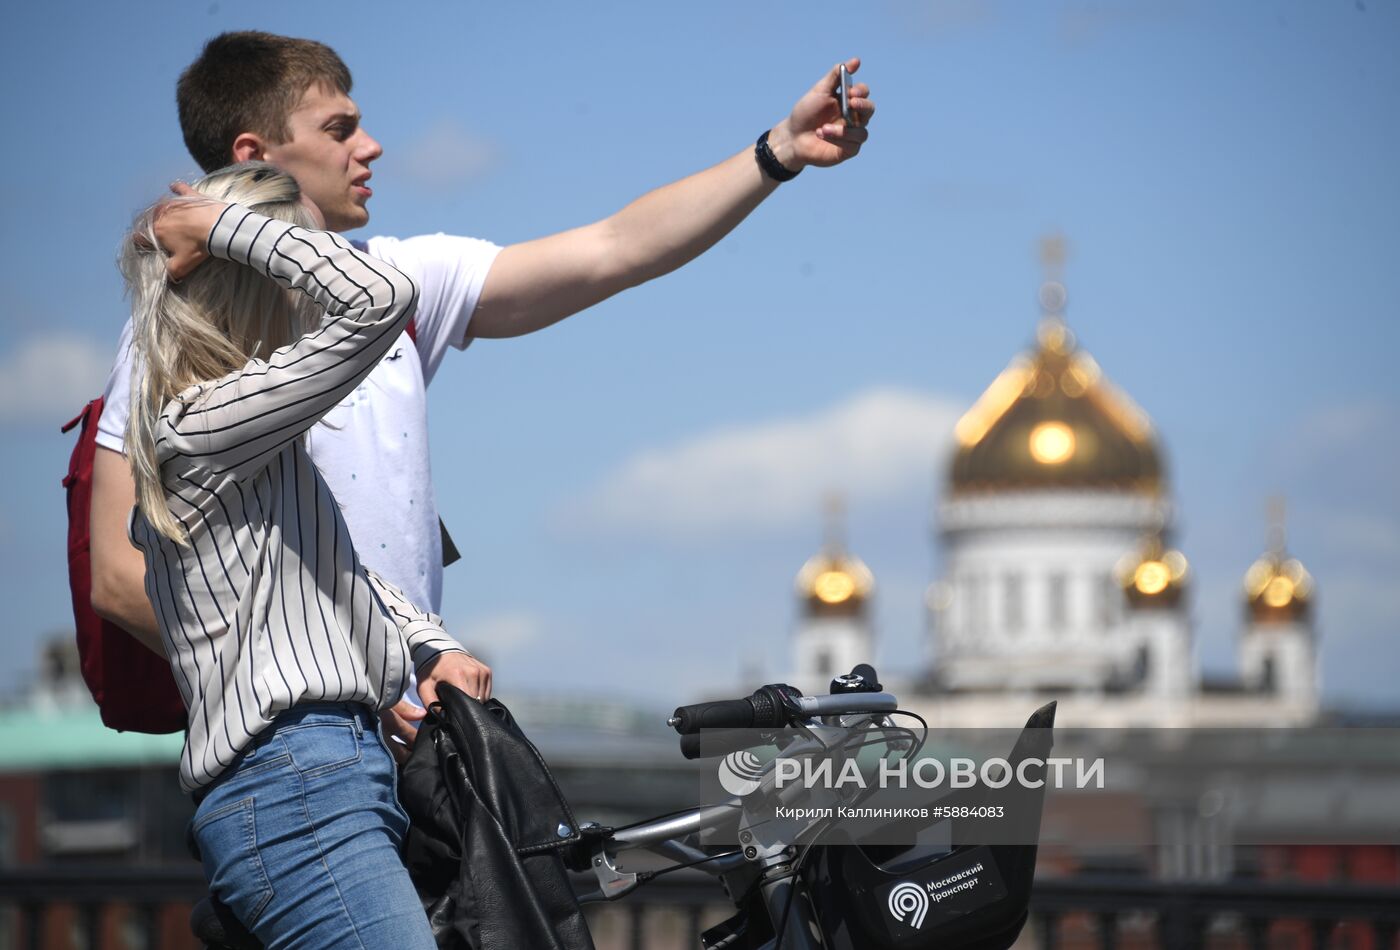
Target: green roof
{"x":73,"y":738}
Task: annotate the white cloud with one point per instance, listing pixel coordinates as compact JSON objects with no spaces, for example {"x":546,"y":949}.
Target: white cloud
{"x":46,"y":380}
{"x":448,"y":156}
{"x":877,"y":445}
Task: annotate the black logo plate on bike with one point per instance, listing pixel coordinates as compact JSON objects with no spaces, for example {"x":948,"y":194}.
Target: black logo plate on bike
{"x":946,"y":889}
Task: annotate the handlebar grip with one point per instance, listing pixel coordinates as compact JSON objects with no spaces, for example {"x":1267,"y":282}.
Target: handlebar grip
{"x":767,"y":708}
{"x":725,"y":714}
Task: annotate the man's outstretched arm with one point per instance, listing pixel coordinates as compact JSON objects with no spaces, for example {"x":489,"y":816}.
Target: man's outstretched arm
{"x":537,"y":283}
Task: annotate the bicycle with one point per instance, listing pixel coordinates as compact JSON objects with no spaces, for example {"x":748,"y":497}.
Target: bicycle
{"x":791,"y":895}
{"x":793,"y":886}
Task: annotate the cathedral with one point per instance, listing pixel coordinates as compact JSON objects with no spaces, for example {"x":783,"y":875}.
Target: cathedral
{"x":1054,"y":520}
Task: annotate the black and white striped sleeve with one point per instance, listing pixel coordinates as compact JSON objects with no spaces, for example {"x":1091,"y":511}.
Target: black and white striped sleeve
{"x":237,"y":423}
{"x":422,"y":630}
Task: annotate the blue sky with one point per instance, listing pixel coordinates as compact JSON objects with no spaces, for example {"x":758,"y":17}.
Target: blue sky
{"x":1224,"y":174}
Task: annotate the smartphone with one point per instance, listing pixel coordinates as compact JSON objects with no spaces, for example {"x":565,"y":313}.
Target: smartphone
{"x":843,"y":92}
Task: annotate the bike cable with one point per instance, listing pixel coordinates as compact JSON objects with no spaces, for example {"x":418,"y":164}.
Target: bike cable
{"x":646,"y":877}
{"x":691,"y":864}
{"x":672,"y":814}
{"x":923,"y":723}
{"x":905,"y":733}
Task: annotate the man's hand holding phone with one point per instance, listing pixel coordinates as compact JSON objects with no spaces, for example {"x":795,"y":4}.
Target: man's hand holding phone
{"x":820,"y":131}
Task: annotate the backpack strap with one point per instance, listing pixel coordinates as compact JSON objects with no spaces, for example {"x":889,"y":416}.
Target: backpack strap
{"x":82,"y":416}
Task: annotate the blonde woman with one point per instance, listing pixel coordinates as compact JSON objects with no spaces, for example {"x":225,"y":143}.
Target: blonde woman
{"x":283,"y":645}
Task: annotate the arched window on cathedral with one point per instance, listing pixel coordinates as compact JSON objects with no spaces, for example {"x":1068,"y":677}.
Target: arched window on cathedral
{"x":1013,"y":605}
{"x":976,"y":605}
{"x":1109,"y":598}
{"x":1057,"y":606}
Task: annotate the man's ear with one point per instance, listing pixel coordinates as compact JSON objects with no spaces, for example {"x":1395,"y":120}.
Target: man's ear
{"x":248,"y":146}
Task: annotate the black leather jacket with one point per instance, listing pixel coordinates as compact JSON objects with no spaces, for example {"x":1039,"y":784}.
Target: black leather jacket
{"x":488,"y":825}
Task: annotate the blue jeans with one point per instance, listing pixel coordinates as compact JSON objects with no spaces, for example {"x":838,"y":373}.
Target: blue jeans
{"x":300,"y":836}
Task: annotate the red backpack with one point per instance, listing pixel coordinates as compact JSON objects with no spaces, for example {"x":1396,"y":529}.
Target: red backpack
{"x":133,"y":688}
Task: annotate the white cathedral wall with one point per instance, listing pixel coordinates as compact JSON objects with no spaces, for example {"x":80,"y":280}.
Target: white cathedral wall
{"x":1070,"y":539}
{"x":977,"y":618}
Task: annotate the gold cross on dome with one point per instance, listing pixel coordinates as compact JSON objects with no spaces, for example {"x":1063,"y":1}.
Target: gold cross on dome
{"x":1278,"y":536}
{"x":1054,"y":250}
{"x":835,"y":505}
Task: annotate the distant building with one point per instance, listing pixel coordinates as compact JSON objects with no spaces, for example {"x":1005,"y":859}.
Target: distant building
{"x":72,"y":790}
{"x":1059,"y":580}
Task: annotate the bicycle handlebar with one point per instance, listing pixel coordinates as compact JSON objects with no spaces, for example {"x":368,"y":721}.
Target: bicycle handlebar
{"x":770,"y":707}
{"x":773,"y":707}
{"x":841,"y":703}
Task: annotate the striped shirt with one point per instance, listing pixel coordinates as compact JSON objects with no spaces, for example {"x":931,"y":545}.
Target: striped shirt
{"x":268,"y":605}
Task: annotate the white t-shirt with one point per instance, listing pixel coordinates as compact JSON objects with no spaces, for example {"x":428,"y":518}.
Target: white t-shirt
{"x":372,"y":449}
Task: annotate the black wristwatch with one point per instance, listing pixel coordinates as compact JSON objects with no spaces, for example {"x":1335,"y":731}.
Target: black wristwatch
{"x":767,"y":161}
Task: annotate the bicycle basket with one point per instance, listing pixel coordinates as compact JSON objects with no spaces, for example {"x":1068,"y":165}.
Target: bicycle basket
{"x":972,"y":897}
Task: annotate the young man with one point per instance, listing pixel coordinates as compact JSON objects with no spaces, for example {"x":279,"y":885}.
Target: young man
{"x":287,"y":101}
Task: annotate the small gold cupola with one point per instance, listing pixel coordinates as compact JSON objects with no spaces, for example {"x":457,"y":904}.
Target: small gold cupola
{"x":1153,"y":575}
{"x":834,"y":582}
{"x":1278,"y":589}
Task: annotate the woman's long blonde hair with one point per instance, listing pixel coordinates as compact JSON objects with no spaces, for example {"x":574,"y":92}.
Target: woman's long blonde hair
{"x":207,"y":325}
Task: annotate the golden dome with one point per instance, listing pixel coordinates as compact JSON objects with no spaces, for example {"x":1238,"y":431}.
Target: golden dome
{"x":834,"y":583}
{"x":1051,"y":420}
{"x":1153,"y":576}
{"x":1278,"y":589}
